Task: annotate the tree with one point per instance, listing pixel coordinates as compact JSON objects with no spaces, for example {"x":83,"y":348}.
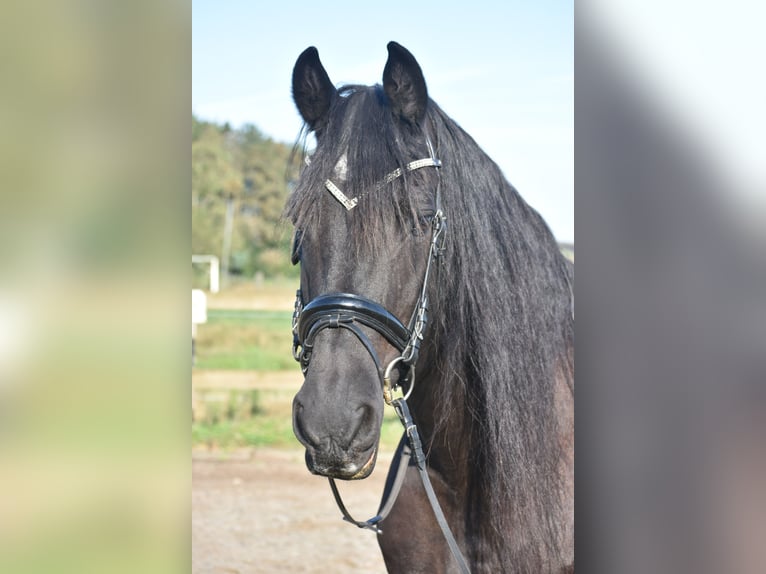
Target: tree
{"x":239,"y":187}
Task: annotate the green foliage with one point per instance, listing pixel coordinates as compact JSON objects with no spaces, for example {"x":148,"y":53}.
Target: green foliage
{"x":245,"y":168}
{"x":265,"y":430}
{"x":230,"y":406}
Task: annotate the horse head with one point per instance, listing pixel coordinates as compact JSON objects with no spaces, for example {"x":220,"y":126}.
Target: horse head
{"x":366,"y":213}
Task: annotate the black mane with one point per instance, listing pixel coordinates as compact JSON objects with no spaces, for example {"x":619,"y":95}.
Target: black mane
{"x":506,"y":325}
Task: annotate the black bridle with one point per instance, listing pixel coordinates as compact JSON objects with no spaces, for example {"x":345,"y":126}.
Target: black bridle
{"x":352,"y":312}
{"x":349,"y":311}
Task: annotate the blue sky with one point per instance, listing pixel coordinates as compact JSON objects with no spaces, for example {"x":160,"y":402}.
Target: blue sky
{"x":503,"y":71}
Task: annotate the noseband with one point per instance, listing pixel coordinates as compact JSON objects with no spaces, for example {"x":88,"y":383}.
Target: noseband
{"x":345,"y":311}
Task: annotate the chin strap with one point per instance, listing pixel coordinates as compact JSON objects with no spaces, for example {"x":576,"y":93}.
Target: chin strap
{"x":409,"y":451}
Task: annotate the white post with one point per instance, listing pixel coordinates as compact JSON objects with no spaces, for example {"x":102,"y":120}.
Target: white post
{"x":215,"y":270}
{"x":198,"y":316}
{"x":199,"y":299}
{"x":215,"y":274}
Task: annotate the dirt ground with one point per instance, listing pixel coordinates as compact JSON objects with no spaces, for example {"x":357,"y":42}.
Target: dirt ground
{"x":261,"y":511}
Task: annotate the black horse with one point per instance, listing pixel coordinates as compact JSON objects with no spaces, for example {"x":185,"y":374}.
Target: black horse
{"x":419,"y":259}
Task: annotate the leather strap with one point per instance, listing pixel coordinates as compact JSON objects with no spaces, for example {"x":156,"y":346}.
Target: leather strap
{"x":400,"y":405}
{"x":409,"y":451}
{"x":358,"y":308}
{"x":394,"y":483}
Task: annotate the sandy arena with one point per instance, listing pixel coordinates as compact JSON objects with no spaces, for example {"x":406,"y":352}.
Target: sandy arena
{"x":261,"y":511}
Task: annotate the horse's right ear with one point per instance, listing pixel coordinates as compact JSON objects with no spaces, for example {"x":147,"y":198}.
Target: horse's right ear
{"x":313,"y":91}
{"x":404,"y":84}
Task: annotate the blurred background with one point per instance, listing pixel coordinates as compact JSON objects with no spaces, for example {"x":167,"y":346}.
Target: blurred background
{"x":671,"y":276}
{"x":95,"y":472}
{"x":94,"y":242}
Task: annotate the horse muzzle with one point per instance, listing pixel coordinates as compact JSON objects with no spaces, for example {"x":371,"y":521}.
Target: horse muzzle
{"x":341,"y":466}
{"x":341,"y":446}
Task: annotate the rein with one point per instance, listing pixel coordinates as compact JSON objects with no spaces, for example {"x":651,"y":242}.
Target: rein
{"x":349,"y":311}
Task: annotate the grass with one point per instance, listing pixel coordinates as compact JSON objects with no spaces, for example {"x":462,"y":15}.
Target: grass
{"x":265,"y":430}
{"x":258,"y":431}
{"x":233,"y":418}
{"x":241,"y":336}
{"x":245,"y":340}
{"x":230,"y":418}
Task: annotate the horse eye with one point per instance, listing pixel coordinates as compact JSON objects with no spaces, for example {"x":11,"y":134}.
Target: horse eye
{"x":423,"y":223}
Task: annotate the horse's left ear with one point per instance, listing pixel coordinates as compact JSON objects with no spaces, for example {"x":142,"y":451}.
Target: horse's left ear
{"x":404,"y":84}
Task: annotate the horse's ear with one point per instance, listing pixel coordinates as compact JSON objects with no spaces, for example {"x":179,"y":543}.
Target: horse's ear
{"x":404,"y":84}
{"x":313,"y":91}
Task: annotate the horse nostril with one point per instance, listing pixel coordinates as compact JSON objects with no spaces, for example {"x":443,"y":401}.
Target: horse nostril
{"x":300,"y":431}
{"x":362,"y":424}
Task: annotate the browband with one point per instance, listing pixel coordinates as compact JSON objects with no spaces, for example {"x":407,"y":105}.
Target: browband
{"x":350,"y":202}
